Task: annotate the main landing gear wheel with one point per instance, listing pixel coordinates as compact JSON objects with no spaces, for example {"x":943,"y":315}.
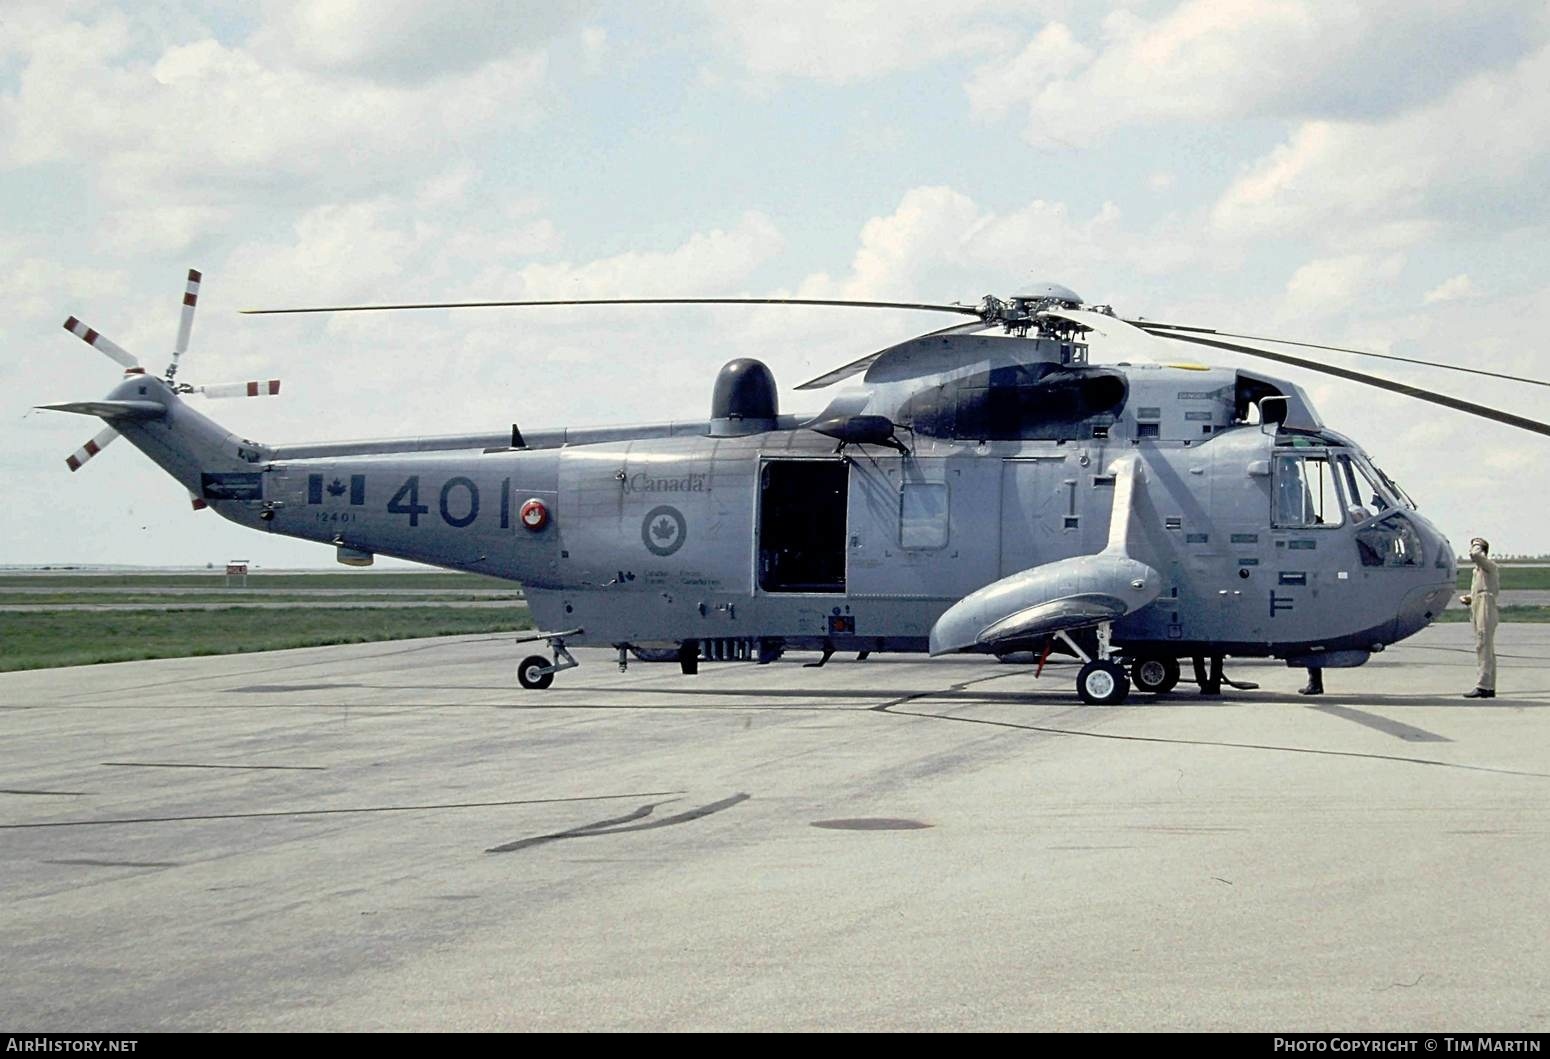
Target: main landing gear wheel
{"x":1155,"y":676}
{"x":1102,"y":684}
{"x":531,"y":675}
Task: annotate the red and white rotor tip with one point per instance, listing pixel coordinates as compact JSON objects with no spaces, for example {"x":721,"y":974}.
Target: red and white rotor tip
{"x":265,"y":388}
{"x":78,"y":458}
{"x":103,"y":345}
{"x":186,"y":322}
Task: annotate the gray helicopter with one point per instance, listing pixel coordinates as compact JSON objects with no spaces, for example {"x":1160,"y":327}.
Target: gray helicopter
{"x":984,"y":493}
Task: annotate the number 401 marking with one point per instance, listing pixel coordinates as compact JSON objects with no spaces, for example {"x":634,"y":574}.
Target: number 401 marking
{"x":407,"y":502}
{"x":414,"y":509}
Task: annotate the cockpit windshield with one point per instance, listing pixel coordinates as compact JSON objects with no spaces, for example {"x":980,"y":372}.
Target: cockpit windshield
{"x":1370,"y":487}
{"x":1404,"y":497}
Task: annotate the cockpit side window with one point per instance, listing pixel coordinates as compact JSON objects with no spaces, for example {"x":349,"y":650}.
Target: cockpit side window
{"x":1366,"y":495}
{"x":1390,"y":541}
{"x":1309,"y":493}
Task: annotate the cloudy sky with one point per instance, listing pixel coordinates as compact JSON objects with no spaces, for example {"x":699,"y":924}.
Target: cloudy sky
{"x":1367,"y":174}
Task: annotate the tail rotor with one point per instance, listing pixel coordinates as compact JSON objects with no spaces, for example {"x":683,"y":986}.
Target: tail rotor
{"x":132,"y":366}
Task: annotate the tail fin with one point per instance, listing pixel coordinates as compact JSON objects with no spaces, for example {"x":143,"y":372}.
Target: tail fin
{"x":191,"y":447}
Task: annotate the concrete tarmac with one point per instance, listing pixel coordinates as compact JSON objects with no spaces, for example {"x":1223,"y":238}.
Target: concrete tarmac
{"x":394,"y":836}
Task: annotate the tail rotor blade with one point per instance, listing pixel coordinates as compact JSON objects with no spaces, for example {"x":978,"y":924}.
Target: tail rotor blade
{"x":266,"y":388}
{"x":77,"y":459}
{"x":197,"y":501}
{"x":105,"y":346}
{"x":186,"y":322}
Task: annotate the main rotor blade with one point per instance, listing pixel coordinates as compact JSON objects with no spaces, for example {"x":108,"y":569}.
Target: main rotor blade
{"x":1419,"y":394}
{"x":926,"y":307}
{"x":856,"y":367}
{"x":1338,"y":349}
{"x":107,"y":347}
{"x":1104,"y":324}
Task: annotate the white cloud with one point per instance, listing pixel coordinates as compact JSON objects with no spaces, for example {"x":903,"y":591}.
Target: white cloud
{"x":594,"y":47}
{"x":1335,"y":284}
{"x":406,"y":41}
{"x":1478,"y":156}
{"x":178,"y":136}
{"x":36,"y":285}
{"x":844,"y":41}
{"x":932,"y":225}
{"x":711,"y":262}
{"x":386,"y":250}
{"x":1453,"y":289}
{"x":1209,"y":60}
{"x":1002,"y":86}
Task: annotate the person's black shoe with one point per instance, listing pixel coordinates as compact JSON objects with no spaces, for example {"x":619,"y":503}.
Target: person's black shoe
{"x":1311,"y":689}
{"x":1480,"y":693}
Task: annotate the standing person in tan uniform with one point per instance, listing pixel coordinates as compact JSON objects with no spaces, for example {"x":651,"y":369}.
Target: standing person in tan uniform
{"x":1481,"y":602}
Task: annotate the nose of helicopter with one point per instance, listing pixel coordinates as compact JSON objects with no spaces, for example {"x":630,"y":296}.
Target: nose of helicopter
{"x":1436,"y":547}
{"x":1425,"y":603}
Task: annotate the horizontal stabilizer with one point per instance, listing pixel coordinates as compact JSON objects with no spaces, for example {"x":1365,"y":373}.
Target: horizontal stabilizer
{"x":111,"y":409}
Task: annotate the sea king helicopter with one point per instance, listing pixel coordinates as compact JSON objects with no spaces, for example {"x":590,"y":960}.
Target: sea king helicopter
{"x":987,"y":493}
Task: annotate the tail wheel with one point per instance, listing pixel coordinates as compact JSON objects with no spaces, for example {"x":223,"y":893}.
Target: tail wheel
{"x":531,"y":675}
{"x":1155,"y":676}
{"x":1102,"y":684}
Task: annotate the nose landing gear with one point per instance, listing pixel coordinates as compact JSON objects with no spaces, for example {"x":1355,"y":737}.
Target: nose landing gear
{"x":536,"y":672}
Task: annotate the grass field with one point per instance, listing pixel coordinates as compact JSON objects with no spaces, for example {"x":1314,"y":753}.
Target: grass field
{"x":42,"y":639}
{"x":39,"y":640}
{"x":1513,"y":577}
{"x":1531,"y":614}
{"x":363,"y":579}
{"x":152,"y":599}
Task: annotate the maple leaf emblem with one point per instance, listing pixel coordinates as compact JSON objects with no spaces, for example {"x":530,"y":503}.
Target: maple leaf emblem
{"x":664,"y":529}
{"x":336,"y":488}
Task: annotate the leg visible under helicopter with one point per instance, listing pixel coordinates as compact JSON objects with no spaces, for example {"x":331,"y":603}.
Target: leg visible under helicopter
{"x":689,"y":657}
{"x":1210,"y":683}
{"x":828,"y":653}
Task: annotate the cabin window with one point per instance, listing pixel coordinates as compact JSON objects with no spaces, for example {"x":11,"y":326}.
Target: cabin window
{"x":1307,"y":492}
{"x":923,"y":517}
